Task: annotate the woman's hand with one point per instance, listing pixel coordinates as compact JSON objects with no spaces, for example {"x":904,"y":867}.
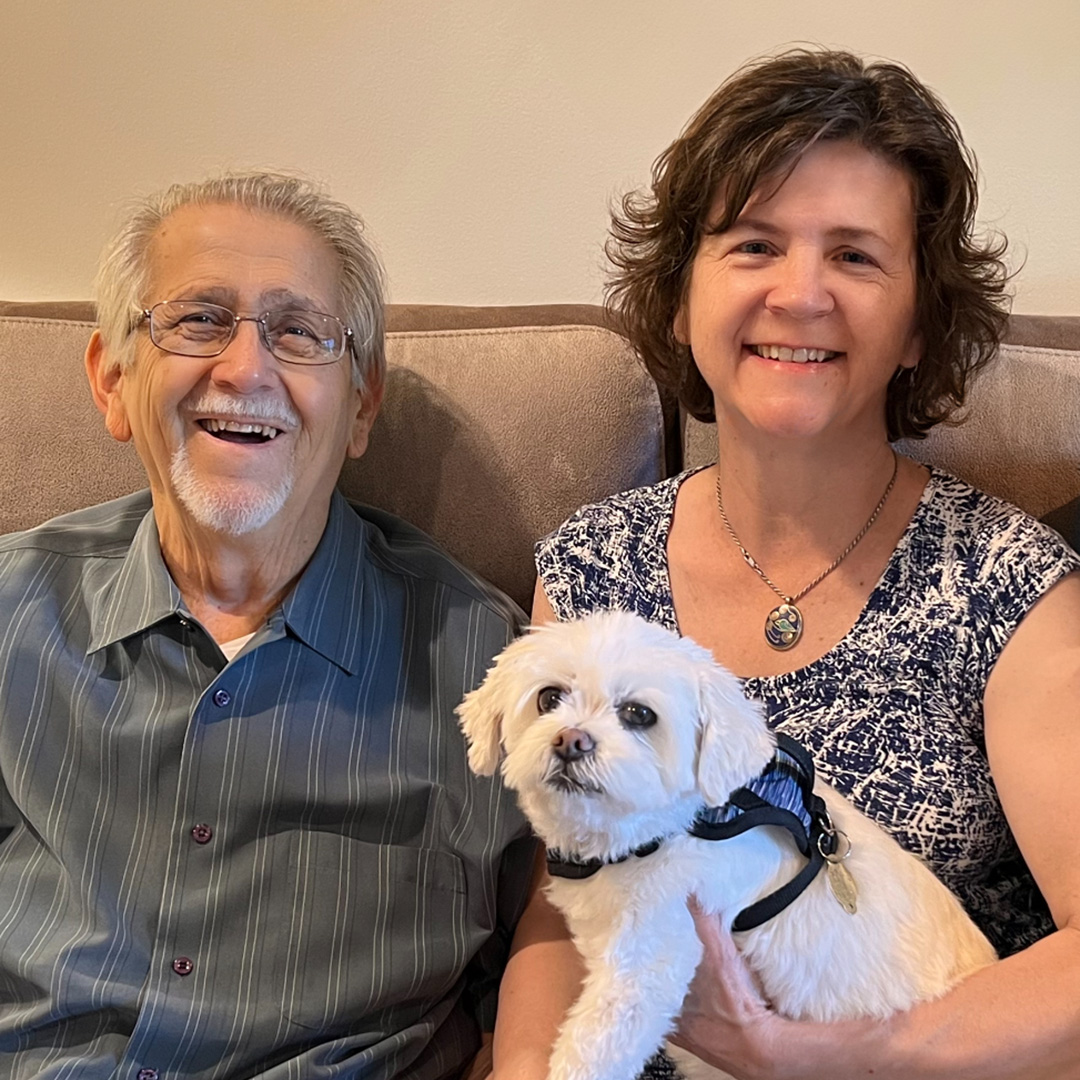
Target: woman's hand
{"x":725,"y":1020}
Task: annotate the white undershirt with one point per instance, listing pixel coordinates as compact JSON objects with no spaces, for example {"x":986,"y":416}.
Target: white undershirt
{"x":231,"y":648}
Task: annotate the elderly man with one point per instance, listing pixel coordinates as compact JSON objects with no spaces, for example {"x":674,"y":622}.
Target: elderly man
{"x":238,"y":836}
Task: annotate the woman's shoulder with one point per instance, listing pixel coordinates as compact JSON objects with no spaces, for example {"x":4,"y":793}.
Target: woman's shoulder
{"x":618,"y":518}
{"x":986,"y":539}
{"x":968,"y":515}
{"x":612,"y":554}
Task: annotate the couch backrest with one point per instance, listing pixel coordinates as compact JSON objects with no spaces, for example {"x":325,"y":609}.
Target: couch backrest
{"x":1020,"y":438}
{"x":497,"y":423}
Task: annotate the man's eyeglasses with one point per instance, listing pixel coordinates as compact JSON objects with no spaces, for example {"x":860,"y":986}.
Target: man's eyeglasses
{"x":294,"y":335}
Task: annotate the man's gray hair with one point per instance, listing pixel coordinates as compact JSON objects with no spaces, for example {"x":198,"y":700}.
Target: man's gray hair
{"x":123,"y":275}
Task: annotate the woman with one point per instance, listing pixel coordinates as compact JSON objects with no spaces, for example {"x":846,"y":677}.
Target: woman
{"x":805,"y":271}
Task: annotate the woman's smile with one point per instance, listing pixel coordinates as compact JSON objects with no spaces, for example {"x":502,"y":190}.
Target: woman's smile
{"x":793,"y":354}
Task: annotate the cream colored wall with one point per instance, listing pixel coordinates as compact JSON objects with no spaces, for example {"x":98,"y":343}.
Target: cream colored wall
{"x":483,"y":139}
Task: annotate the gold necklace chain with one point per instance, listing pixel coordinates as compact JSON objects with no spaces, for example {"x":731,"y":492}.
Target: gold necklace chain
{"x":784,"y":625}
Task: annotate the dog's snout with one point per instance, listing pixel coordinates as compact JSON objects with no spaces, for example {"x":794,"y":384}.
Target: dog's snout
{"x":572,"y":743}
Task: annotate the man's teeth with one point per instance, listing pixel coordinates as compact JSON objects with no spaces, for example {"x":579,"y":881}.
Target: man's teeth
{"x":795,"y":356}
{"x":240,"y":428}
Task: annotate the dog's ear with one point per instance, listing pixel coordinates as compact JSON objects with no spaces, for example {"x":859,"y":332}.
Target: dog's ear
{"x":481,"y":715}
{"x":735,"y":743}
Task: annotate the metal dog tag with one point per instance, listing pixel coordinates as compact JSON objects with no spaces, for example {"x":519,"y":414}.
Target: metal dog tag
{"x":842,"y":884}
{"x":840,"y":880}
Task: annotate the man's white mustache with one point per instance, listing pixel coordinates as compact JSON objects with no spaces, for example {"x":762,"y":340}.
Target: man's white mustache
{"x":227,"y":406}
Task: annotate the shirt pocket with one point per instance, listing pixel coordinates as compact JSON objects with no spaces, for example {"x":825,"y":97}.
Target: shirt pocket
{"x":370,"y":926}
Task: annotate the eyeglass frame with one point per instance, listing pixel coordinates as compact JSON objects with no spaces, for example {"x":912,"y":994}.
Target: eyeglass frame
{"x":146,"y":315}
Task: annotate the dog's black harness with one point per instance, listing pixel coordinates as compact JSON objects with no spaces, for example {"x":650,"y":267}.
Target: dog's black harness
{"x":783,"y":795}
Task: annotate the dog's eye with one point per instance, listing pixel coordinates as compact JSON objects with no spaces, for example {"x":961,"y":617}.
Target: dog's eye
{"x":634,"y":714}
{"x":548,"y":699}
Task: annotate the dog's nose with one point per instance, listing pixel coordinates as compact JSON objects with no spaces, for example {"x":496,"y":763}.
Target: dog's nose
{"x":572,"y":743}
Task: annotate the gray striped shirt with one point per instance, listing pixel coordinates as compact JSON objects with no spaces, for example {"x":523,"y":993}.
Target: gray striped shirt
{"x":275,"y":867}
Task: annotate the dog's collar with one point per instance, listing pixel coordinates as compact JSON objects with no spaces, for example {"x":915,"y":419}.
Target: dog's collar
{"x":783,"y":795}
{"x":571,"y":866}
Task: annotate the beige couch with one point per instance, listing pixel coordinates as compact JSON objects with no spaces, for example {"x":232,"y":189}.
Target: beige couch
{"x":500,"y":421}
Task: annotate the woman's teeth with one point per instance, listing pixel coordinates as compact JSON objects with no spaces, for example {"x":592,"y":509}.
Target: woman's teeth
{"x":794,"y":356}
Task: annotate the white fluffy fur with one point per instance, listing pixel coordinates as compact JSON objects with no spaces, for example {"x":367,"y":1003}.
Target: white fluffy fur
{"x":909,"y":941}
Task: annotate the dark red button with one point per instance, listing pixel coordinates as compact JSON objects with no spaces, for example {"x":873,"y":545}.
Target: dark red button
{"x":183,"y":966}
{"x":222,"y":698}
{"x":147,"y":1074}
{"x":202,"y":834}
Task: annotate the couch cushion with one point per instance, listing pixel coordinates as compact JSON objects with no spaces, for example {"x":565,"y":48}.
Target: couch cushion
{"x":1066,"y":519}
{"x":489,"y":436}
{"x":1020,"y":438}
{"x":55,"y":455}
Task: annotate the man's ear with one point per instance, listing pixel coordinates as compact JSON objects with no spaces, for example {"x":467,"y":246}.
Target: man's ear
{"x":367,"y":408}
{"x":106,"y":379}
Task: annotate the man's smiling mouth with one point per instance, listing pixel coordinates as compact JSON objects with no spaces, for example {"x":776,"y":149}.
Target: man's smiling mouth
{"x":241,"y":431}
{"x":793,"y":356}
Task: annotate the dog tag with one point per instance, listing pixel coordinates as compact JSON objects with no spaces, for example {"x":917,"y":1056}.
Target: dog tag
{"x":842,"y":884}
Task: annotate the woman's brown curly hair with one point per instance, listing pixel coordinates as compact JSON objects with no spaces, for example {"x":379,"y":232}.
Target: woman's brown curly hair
{"x":757,"y":125}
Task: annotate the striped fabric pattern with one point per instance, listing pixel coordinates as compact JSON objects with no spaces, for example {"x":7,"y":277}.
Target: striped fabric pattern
{"x":780,"y":785}
{"x":278,"y":867}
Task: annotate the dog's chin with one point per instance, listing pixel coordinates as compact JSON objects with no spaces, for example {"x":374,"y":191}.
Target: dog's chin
{"x":568,"y":784}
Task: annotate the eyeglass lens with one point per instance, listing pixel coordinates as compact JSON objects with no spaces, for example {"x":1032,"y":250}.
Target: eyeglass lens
{"x":294,"y":335}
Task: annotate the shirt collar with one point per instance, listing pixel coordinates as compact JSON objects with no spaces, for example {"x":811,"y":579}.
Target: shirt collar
{"x":141,"y":594}
{"x":320,"y":610}
{"x":323,"y":609}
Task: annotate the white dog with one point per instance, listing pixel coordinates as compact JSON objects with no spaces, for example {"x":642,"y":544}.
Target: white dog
{"x":615,"y":733}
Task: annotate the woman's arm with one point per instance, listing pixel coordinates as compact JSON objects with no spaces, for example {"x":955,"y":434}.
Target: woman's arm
{"x":1019,"y":1018}
{"x":543,"y":975}
{"x":1015,"y":1020}
{"x":542,"y":980}
{"x":542,"y":611}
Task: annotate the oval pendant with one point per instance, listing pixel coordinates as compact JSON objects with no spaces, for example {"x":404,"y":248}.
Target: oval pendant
{"x":783,"y":627}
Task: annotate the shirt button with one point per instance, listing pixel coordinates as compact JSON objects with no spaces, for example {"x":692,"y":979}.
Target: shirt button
{"x":202,"y":834}
{"x":146,"y":1074}
{"x":183,"y":966}
{"x":184,"y":624}
{"x":222,"y":698}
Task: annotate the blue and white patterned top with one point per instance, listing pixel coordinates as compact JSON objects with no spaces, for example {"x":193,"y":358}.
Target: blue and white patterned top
{"x":893,"y":714}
